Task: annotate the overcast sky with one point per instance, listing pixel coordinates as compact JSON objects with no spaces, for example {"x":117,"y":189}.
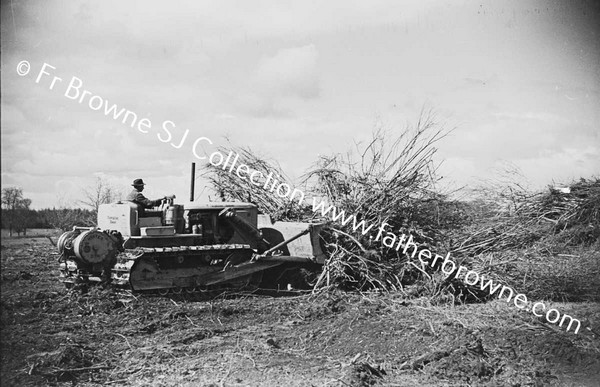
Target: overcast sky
{"x":520,"y":81}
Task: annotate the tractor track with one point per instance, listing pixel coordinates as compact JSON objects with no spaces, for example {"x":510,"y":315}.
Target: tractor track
{"x":177,"y":257}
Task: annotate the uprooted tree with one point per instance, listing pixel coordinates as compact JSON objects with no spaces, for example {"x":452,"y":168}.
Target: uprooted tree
{"x":391,"y":179}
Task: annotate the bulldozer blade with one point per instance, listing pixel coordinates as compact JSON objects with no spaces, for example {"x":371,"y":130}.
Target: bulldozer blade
{"x":295,"y":241}
{"x":241,"y":270}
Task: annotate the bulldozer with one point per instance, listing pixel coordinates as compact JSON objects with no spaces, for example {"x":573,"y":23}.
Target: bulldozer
{"x":175,"y":248}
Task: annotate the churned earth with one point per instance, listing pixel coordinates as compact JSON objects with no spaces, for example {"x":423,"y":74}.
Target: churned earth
{"x":51,"y":336}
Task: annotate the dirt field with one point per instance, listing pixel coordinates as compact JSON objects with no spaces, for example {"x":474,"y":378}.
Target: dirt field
{"x":51,"y":336}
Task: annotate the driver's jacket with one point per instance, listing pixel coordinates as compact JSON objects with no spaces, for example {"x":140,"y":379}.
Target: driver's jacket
{"x":138,"y":198}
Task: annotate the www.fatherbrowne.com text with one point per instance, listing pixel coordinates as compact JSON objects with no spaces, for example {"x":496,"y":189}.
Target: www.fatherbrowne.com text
{"x":389,"y":239}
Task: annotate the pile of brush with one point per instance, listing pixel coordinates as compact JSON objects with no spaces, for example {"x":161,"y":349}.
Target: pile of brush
{"x":545,"y":244}
{"x":387,"y":180}
{"x":392,"y":179}
{"x":558,"y":217}
{"x":574,"y":212}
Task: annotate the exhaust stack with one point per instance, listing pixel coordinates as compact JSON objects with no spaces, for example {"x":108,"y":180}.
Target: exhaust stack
{"x":192,"y":182}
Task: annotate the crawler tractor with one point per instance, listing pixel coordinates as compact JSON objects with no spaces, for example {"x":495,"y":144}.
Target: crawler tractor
{"x":176,"y":248}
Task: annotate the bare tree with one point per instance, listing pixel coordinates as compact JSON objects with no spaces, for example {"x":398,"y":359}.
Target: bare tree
{"x":100,"y":193}
{"x":65,"y":218}
{"x":16,"y":208}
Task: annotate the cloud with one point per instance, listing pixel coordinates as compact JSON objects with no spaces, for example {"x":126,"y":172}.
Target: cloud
{"x":550,"y":118}
{"x":261,"y":106}
{"x":291,"y":72}
{"x":293,"y":78}
{"x":279,"y":82}
{"x":562,"y":166}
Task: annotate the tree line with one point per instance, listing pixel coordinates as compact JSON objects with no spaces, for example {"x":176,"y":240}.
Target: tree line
{"x":17,"y":217}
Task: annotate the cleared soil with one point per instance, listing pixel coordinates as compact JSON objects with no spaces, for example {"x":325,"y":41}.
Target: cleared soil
{"x":51,"y":336}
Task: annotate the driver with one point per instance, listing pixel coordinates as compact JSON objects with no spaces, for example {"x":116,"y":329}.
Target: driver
{"x":138,"y":198}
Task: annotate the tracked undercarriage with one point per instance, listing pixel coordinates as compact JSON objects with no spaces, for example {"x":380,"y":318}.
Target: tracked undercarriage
{"x":180,"y":268}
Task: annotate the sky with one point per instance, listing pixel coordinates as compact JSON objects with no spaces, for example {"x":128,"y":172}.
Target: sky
{"x":517,"y":81}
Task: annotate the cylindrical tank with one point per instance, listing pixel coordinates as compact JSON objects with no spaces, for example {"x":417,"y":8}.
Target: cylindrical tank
{"x":173,"y":216}
{"x":65,"y":242}
{"x":94,"y":247}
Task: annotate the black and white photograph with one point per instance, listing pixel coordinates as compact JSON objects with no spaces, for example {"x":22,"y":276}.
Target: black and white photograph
{"x":300,"y":193}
